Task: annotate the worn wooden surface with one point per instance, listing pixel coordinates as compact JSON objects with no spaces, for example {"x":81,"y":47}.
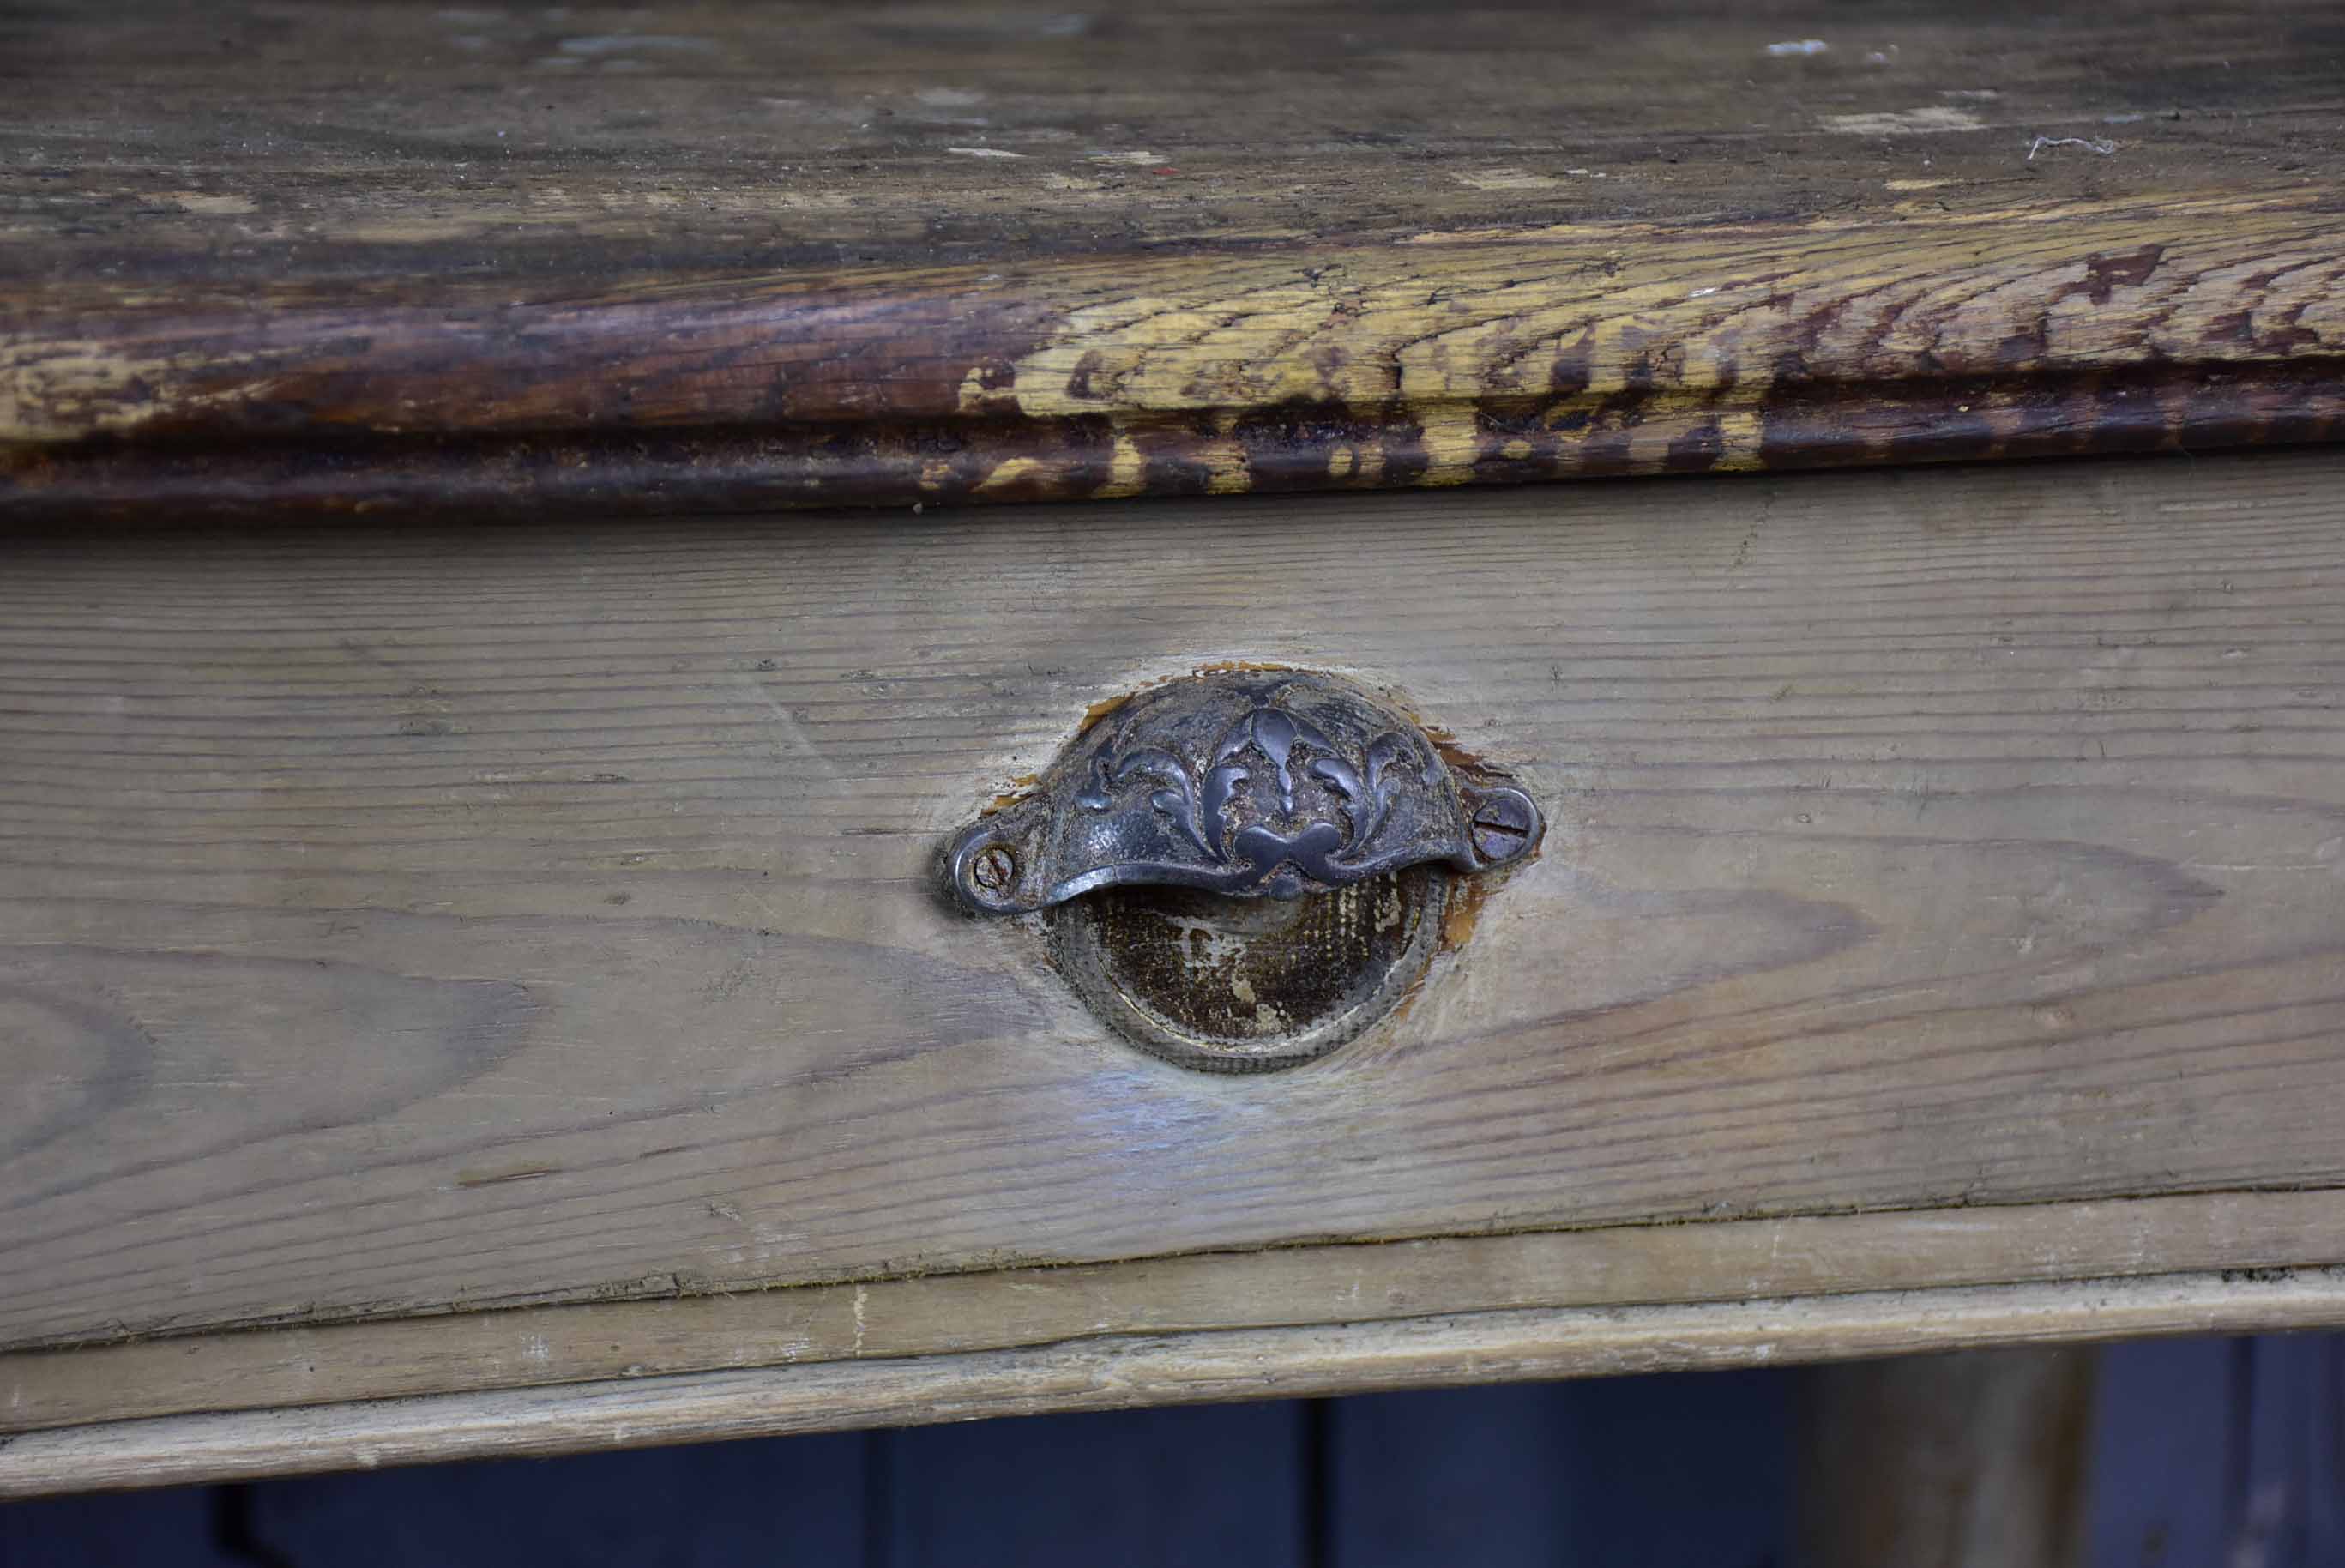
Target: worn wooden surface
{"x":392,"y":923}
{"x":371,"y":140}
{"x":2203,"y":1449}
{"x":1127,"y":1371}
{"x":383,"y":256}
{"x":887,"y":1320}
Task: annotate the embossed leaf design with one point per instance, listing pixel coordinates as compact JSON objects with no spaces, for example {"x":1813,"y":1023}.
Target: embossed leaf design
{"x":1268,"y":801}
{"x":1176,"y":799}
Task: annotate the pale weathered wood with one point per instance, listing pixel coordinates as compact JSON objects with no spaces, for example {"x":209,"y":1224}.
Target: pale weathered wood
{"x":1729,"y":1260}
{"x":1120,"y":1373}
{"x":393,"y":921}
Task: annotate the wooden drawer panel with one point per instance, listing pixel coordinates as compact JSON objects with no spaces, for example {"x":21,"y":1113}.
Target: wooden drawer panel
{"x":472,"y":989}
{"x":403,"y":920}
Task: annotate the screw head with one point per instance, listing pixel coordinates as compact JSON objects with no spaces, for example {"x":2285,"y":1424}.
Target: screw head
{"x":1501,"y":826}
{"x":994,"y":870}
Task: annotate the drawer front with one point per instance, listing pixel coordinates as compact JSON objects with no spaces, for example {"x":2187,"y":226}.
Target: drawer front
{"x":394,"y":919}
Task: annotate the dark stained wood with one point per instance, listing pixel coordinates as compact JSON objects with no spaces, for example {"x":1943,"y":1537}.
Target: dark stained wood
{"x":395,"y":921}
{"x":1976,"y":1459}
{"x":390,"y":256}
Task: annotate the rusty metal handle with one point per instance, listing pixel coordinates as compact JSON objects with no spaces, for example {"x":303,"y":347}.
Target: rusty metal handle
{"x":1254,"y":784}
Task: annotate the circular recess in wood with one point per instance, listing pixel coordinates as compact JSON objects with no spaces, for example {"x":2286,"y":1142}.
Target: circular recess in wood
{"x":1249,"y":985}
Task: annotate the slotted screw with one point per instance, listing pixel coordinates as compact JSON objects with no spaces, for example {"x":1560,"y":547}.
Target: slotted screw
{"x":994,"y":870}
{"x":1501,"y":826}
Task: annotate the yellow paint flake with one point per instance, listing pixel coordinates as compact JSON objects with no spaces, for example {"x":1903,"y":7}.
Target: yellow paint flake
{"x":1010,"y":474}
{"x":1450,"y":447}
{"x":1127,"y":468}
{"x":1740,"y":433}
{"x":1227,"y":473}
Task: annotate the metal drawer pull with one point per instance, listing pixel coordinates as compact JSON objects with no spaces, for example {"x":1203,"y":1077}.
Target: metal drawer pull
{"x":1268,"y":855}
{"x":1244,"y":785}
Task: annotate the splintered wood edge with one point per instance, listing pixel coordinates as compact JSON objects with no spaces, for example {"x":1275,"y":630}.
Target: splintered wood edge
{"x":791,"y":1334}
{"x":1122,"y":1373}
{"x":2189,"y":321}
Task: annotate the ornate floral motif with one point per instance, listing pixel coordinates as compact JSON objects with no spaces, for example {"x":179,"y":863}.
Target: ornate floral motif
{"x":1268,"y":739}
{"x":1237,"y":784}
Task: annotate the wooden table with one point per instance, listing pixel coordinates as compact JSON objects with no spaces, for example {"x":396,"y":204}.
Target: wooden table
{"x":475,"y":975}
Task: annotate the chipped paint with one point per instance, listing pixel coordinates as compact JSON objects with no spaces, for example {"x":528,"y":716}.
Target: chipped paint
{"x":1930,"y":120}
{"x":1454,"y":358}
{"x":1009,"y":477}
{"x":1127,"y":470}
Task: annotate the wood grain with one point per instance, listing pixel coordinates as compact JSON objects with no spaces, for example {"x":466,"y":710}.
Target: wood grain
{"x":1175,"y":1368}
{"x":1974,"y":1459}
{"x":952,"y":1314}
{"x":372,"y":258}
{"x":374,"y":141}
{"x":395,"y":921}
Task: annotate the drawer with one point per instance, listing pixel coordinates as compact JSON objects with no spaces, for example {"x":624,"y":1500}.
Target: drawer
{"x":533,"y":661}
{"x":513,"y":966}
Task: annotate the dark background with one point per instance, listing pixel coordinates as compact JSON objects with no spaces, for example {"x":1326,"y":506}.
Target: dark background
{"x":2206,"y":1454}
